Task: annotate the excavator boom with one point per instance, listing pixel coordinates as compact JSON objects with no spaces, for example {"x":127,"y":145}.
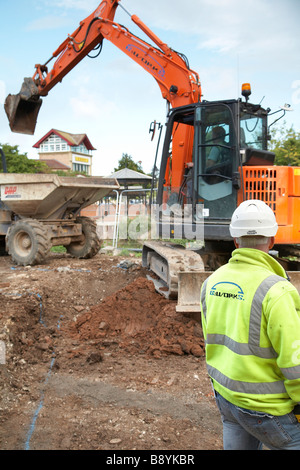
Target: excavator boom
{"x":178,"y":84}
{"x":22,"y":109}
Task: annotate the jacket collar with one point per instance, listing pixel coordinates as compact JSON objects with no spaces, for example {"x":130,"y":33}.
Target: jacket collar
{"x":258,"y":258}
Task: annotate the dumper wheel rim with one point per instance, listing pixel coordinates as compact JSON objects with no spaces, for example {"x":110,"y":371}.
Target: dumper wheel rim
{"x":28,"y":242}
{"x":90,"y":245}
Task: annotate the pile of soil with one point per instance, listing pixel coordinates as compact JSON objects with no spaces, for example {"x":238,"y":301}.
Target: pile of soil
{"x":27,"y":337}
{"x":139,"y":321}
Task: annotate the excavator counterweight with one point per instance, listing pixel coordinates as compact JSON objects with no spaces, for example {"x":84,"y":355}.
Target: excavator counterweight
{"x":22,"y":109}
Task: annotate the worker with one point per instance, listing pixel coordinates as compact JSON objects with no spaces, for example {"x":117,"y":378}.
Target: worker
{"x":216,"y":152}
{"x":251,"y":325}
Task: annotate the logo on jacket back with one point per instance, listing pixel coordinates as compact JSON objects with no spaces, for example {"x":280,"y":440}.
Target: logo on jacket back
{"x":236,"y":293}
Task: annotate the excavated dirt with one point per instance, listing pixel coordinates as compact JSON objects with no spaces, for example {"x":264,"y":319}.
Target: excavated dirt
{"x":93,"y":358}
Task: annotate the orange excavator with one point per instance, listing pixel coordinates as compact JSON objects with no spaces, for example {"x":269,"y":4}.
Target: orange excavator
{"x":215,"y":154}
{"x":179,"y":85}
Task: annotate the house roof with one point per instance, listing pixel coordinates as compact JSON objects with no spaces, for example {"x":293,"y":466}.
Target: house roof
{"x":54,"y":164}
{"x":71,"y":139}
{"x":126,"y":175}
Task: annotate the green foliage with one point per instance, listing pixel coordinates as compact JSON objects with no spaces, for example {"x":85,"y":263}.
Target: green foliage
{"x":285,"y":143}
{"x":127,"y":162}
{"x":58,"y":249}
{"x":20,"y":163}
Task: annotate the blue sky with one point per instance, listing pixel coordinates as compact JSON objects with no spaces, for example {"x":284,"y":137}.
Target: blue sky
{"x":113,"y":100}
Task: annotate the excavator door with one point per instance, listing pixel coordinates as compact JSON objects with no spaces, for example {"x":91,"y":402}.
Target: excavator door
{"x":211,"y":184}
{"x":215,"y":161}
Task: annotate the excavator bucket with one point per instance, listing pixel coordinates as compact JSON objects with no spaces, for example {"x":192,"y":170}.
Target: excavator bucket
{"x":22,"y":109}
{"x":189,"y":288}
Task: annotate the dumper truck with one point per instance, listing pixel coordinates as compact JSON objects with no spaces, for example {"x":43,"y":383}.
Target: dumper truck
{"x":39,"y":211}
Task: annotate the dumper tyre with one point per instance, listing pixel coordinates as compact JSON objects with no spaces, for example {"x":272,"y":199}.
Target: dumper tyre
{"x":28,"y":242}
{"x":90,"y":245}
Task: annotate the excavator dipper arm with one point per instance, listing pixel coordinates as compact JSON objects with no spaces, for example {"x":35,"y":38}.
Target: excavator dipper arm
{"x":178,"y":84}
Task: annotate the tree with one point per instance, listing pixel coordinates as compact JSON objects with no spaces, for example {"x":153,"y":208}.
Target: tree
{"x":285,"y":143}
{"x":20,"y":163}
{"x":127,"y":162}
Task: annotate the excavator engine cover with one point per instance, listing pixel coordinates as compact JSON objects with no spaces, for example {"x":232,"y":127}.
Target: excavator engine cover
{"x":22,"y":109}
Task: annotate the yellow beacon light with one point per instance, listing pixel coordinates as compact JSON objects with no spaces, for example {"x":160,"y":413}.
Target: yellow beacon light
{"x":246,"y":90}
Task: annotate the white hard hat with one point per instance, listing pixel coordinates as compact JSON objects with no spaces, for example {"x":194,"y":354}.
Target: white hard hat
{"x":253,"y":217}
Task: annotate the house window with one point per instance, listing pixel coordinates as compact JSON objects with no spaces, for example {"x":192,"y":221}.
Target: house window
{"x":81,"y":168}
{"x":54,"y":144}
{"x":80,"y":149}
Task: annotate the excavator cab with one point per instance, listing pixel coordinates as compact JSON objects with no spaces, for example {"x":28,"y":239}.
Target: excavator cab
{"x":224,"y":137}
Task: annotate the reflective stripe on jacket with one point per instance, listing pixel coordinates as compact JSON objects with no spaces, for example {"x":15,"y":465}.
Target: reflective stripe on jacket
{"x":251,"y":325}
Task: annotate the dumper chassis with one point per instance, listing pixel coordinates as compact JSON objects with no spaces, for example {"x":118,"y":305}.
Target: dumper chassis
{"x":29,"y":241}
{"x":38,"y":212}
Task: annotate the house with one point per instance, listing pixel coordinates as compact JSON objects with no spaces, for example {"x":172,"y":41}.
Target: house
{"x":66,"y":151}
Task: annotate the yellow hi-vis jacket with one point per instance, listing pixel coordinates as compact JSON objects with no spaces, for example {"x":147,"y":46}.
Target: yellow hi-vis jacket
{"x":251,"y":326}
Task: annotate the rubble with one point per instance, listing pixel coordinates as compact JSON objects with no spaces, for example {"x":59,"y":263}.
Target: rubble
{"x":139,"y":321}
{"x":93,"y":354}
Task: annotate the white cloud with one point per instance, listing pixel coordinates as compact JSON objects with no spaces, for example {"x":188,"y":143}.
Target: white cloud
{"x":47,"y":22}
{"x":263,"y":26}
{"x":2,"y":92}
{"x":220,"y":83}
{"x":90,"y":105}
{"x":72,"y":4}
{"x":266,"y":27}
